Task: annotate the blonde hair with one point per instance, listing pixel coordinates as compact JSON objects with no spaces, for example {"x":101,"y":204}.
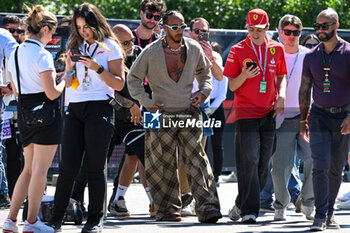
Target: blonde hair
{"x":38,"y":17}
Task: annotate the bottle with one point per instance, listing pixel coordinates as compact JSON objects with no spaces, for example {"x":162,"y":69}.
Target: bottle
{"x":75,"y":83}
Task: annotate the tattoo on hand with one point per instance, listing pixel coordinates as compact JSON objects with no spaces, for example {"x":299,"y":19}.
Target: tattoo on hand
{"x":305,"y":96}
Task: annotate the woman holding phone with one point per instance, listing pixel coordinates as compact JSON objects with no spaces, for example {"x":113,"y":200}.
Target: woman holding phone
{"x":33,"y":65}
{"x":88,"y":125}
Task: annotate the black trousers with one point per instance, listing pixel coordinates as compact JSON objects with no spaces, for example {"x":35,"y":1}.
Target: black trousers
{"x":14,"y":151}
{"x":135,"y":148}
{"x":329,"y":152}
{"x":216,"y":141}
{"x":255,"y":144}
{"x":88,"y":128}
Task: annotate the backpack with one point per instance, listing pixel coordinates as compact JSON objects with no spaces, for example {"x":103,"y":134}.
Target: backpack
{"x":74,"y":212}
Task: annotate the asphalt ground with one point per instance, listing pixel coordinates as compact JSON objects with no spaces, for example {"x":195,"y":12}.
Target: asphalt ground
{"x":139,"y":221}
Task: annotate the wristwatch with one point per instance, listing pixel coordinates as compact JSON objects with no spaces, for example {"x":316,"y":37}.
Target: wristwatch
{"x":100,"y":70}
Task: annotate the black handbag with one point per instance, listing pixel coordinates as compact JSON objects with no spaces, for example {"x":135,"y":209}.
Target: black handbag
{"x":34,"y":115}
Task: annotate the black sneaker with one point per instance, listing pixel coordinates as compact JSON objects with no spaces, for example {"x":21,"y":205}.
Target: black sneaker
{"x":331,"y":223}
{"x":4,"y":202}
{"x":186,"y":199}
{"x":55,"y":224}
{"x":91,"y":228}
{"x":267,"y":208}
{"x":318,"y":225}
{"x":118,"y":208}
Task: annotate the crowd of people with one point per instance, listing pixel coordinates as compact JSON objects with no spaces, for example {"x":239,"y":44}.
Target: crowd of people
{"x":160,"y":71}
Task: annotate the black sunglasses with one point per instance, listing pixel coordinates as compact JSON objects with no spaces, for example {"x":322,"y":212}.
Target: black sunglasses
{"x":128,"y":42}
{"x":150,"y":16}
{"x":323,"y":26}
{"x":176,"y":27}
{"x":197,"y":31}
{"x":310,"y":46}
{"x":88,"y":15}
{"x":289,"y":32}
{"x":12,"y":30}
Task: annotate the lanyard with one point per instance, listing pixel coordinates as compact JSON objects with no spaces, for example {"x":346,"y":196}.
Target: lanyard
{"x":260,"y":62}
{"x":32,"y":42}
{"x":326,"y":67}
{"x":138,"y":38}
{"x":292,"y":70}
{"x":93,"y":53}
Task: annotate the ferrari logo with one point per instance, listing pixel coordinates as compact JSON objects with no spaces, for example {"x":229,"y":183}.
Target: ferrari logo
{"x":255,"y":17}
{"x":273,"y":51}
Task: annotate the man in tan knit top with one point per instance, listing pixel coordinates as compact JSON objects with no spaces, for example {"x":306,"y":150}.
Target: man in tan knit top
{"x":170,"y":65}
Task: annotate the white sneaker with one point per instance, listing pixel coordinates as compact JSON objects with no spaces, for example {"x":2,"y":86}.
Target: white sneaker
{"x":308,"y":211}
{"x":37,"y":227}
{"x":230,"y":178}
{"x":249,"y":218}
{"x":279,"y":215}
{"x":234,"y":214}
{"x":10,"y":226}
{"x":345,"y":197}
{"x":344,"y":205}
{"x":189,"y":210}
{"x":118,"y":207}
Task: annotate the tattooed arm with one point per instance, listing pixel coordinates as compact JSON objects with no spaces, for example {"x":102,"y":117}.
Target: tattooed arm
{"x":135,"y":111}
{"x":304,"y":102}
{"x":125,"y":102}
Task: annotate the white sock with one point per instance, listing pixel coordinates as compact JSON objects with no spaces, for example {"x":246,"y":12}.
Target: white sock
{"x":149,"y":195}
{"x":121,"y":190}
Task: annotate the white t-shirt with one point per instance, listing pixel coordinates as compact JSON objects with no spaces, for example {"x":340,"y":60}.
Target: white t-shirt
{"x":33,"y":59}
{"x":293,"y":81}
{"x":218,"y":60}
{"x":97,"y":88}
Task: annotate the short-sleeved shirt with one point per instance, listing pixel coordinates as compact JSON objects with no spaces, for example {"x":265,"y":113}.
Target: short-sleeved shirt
{"x":7,"y":45}
{"x":33,"y":59}
{"x":339,"y":74}
{"x":248,"y":101}
{"x":97,"y":88}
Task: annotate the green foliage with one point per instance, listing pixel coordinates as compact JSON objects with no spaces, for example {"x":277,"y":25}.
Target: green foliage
{"x":229,"y":14}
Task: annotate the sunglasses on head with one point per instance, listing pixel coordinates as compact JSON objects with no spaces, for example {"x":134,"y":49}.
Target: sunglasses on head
{"x":323,"y":26}
{"x":176,"y":27}
{"x":289,"y":32}
{"x":128,"y":42}
{"x":310,"y":46}
{"x":12,"y":30}
{"x":150,"y":16}
{"x":88,"y":15}
{"x":197,"y":31}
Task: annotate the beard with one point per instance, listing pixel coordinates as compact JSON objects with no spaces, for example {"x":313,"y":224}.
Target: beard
{"x":173,"y":38}
{"x":327,"y":37}
{"x":129,"y":52}
{"x":148,"y":27}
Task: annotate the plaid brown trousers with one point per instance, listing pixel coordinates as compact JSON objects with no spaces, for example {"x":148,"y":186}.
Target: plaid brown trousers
{"x":161,"y":163}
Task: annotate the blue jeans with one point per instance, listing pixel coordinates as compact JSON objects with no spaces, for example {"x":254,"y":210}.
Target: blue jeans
{"x":329,"y":152}
{"x":255,"y":139}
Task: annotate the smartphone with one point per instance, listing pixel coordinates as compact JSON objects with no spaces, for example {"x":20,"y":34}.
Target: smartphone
{"x":251,"y":63}
{"x":203,"y":36}
{"x":76,"y":54}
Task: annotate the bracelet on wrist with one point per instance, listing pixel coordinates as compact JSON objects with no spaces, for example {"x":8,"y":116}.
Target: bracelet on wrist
{"x":133,"y":103}
{"x":304,"y":122}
